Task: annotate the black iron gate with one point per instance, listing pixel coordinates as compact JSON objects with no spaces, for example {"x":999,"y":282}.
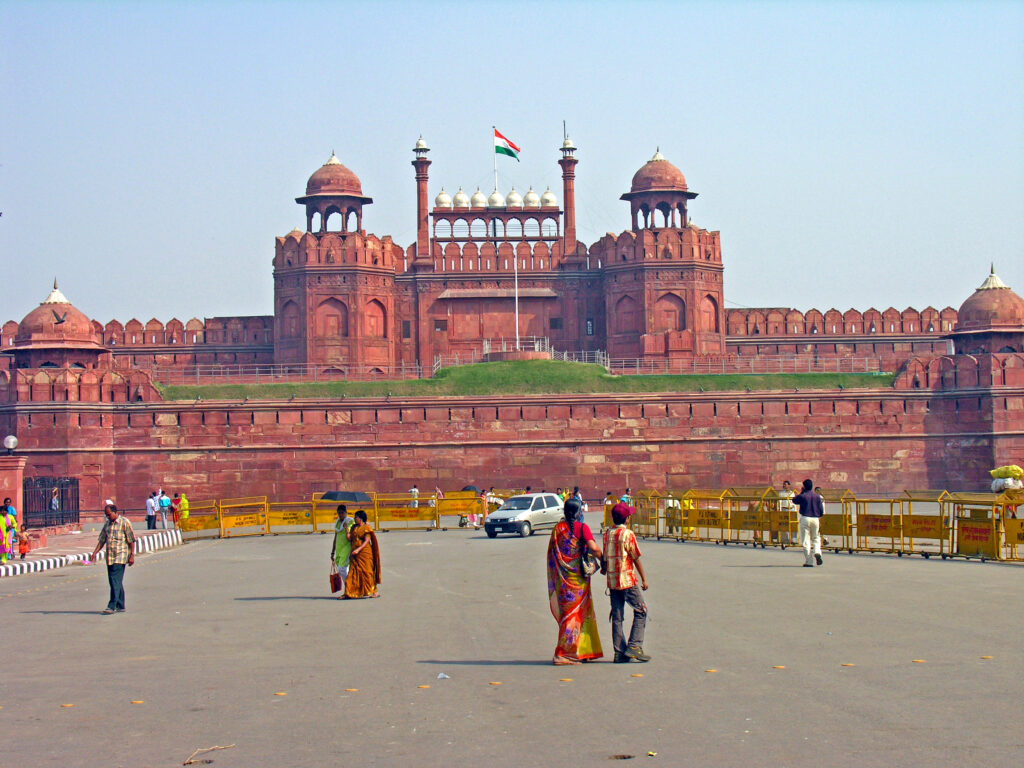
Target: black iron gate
{"x":43,"y":507}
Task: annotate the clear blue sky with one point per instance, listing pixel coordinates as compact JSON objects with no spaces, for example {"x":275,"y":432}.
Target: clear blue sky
{"x":851,"y":154}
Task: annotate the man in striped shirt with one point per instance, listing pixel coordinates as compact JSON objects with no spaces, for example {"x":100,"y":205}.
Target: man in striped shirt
{"x":621,"y":553}
{"x":119,"y":537}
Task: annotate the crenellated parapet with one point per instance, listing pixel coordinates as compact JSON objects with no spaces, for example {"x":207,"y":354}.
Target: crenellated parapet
{"x":963,"y":372}
{"x":783,"y":321}
{"x":71,"y":385}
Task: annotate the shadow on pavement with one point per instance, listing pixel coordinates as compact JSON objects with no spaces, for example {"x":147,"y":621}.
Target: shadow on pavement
{"x":489,"y":662}
{"x":47,"y":613}
{"x":290,"y":597}
{"x":789,"y":565}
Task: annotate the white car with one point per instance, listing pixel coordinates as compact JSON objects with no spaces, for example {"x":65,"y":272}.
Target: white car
{"x":525,"y":514}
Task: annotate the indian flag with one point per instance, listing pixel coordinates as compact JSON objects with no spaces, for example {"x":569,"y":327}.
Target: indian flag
{"x":503,"y":146}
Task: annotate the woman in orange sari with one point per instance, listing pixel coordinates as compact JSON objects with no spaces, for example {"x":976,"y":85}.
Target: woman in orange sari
{"x":569,"y":589}
{"x":364,"y":561}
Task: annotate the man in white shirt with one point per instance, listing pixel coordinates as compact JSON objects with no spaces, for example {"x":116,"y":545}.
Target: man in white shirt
{"x":151,"y":512}
{"x":415,"y":493}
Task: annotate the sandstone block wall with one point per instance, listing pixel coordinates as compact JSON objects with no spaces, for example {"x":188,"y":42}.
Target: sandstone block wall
{"x":871,"y":441}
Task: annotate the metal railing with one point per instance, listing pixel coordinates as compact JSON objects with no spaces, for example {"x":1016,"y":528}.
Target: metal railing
{"x":224,"y":373}
{"x":761,"y":364}
{"x":221,"y":373}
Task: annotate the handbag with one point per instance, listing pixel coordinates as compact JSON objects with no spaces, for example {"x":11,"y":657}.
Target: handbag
{"x":335,"y":579}
{"x":589,"y":562}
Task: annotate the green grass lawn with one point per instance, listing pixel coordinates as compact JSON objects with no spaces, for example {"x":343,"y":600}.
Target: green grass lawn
{"x":527,"y":377}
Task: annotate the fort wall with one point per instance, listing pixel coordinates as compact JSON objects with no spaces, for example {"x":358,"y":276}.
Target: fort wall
{"x":872,"y":441}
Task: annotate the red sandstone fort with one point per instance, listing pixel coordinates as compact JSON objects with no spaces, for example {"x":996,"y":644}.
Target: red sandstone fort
{"x":485,"y":270}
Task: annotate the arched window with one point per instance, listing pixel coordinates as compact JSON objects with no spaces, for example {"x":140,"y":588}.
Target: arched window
{"x":376,"y":320}
{"x":332,"y":319}
{"x":669,"y":313}
{"x":290,"y":320}
{"x":627,"y":315}
{"x":709,"y":314}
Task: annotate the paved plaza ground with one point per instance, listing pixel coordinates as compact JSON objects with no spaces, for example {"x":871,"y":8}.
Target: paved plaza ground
{"x":236,"y":642}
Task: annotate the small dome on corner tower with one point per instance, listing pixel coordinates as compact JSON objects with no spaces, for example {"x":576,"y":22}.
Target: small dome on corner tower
{"x":658,"y":174}
{"x":992,"y":306}
{"x":333,"y":178}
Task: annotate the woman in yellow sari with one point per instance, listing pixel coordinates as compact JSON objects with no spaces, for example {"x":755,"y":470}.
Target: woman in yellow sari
{"x":569,"y":589}
{"x":364,"y":560}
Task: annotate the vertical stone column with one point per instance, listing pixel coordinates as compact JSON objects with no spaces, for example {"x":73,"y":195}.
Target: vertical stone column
{"x":12,"y":473}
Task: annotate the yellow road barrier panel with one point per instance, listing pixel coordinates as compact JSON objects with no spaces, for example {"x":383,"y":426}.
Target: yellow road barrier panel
{"x":710,"y":514}
{"x":645,"y":522}
{"x":246,"y":516}
{"x":676,"y":513}
{"x":460,"y":504}
{"x":978,"y":525}
{"x":403,"y":511}
{"x":1010,"y":503}
{"x":751,"y":520}
{"x":203,"y":521}
{"x":290,"y":517}
{"x":837,"y":524}
{"x":878,"y":523}
{"x":926,"y":528}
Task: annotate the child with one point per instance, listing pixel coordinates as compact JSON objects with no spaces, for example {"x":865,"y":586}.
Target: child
{"x":22,"y":544}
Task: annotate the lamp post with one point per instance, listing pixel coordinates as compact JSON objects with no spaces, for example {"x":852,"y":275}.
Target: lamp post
{"x":10,"y":443}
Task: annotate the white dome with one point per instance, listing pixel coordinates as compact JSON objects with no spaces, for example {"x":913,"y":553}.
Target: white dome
{"x":421,"y":146}
{"x":532,"y":199}
{"x":496,"y":200}
{"x":443,"y":200}
{"x":568,"y":145}
{"x":461,"y":199}
{"x":478,"y":200}
{"x":548,"y":199}
{"x":514,"y":199}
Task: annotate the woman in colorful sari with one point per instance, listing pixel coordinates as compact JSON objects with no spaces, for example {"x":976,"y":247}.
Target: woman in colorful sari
{"x":341,"y":549}
{"x":363,"y":561}
{"x":4,"y":532}
{"x":569,"y":589}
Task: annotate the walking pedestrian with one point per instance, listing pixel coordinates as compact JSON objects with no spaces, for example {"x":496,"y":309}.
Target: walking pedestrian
{"x":342,"y":547}
{"x":151,"y":512}
{"x":119,"y":538}
{"x":164,"y":502}
{"x":12,"y":535}
{"x":569,"y":594}
{"x":621,"y":554}
{"x":811,"y":509}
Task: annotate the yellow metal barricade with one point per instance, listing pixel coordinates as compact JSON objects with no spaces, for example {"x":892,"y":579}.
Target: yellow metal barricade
{"x":978,"y":527}
{"x":925,"y":523}
{"x":460,"y":504}
{"x":325,"y":511}
{"x":878,"y":525}
{"x":675,"y":515}
{"x":751,"y":518}
{"x":648,"y":512}
{"x":203,"y":521}
{"x":1010,"y":504}
{"x":403,"y":511}
{"x":290,"y":517}
{"x":243,"y":517}
{"x":837,"y":525}
{"x":709,"y":515}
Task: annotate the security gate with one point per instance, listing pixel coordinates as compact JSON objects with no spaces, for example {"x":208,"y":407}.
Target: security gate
{"x":44,"y":508}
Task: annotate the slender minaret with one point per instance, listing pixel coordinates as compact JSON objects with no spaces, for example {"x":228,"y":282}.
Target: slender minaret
{"x":421,"y":163}
{"x":568,"y":163}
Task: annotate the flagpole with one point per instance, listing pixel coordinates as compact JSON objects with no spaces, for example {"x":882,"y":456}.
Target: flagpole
{"x":494,"y":151}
